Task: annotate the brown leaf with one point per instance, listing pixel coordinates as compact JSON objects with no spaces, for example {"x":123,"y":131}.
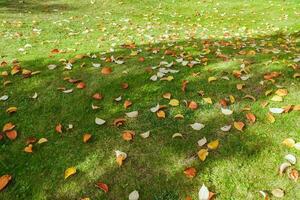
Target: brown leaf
{"x":184,"y":85}
{"x":30,"y":140}
{"x":86,"y":137}
{"x":124,"y":85}
{"x":103,"y":186}
{"x":294,"y":175}
{"x":119,"y":122}
{"x":58,"y":128}
{"x":190,"y":172}
{"x":4,"y":180}
{"x":12,"y":135}
{"x":106,"y":70}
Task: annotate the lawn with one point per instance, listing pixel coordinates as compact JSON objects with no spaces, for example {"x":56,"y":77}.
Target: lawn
{"x":65,"y":64}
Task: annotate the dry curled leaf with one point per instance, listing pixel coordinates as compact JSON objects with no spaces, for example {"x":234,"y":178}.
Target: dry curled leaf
{"x":202,"y":154}
{"x":8,"y":126}
{"x":190,"y":172}
{"x":12,"y":135}
{"x":251,"y":117}
{"x":213,"y":144}
{"x":119,"y":122}
{"x":239,"y":125}
{"x":128,"y":135}
{"x":161,"y":114}
{"x":127,"y":104}
{"x":106,"y":70}
{"x":28,"y":149}
{"x":58,"y":128}
{"x":193,"y":105}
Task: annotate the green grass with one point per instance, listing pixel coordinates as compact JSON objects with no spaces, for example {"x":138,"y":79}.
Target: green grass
{"x":245,"y":163}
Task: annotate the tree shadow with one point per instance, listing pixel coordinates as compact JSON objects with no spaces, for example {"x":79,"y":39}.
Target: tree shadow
{"x":33,"y":6}
{"x":157,"y":162}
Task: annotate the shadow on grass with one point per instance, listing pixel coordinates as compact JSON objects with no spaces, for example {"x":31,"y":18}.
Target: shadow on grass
{"x":155,"y":165}
{"x":33,"y":6}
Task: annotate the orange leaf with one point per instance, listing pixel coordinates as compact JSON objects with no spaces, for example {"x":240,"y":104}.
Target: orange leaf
{"x":12,"y":135}
{"x":128,"y":135}
{"x":193,"y":105}
{"x":102,"y":186}
{"x":251,"y":117}
{"x":58,"y":128}
{"x":4,"y":180}
{"x":8,"y":126}
{"x":86,"y":137}
{"x":28,"y":149}
{"x":127,"y":103}
{"x":190,"y":172}
{"x":106,"y":70}
{"x":161,"y":114}
{"x":54,"y":51}
{"x":239,"y":125}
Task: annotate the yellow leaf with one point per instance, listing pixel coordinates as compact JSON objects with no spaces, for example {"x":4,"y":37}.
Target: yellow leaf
{"x":202,"y":154}
{"x":277,"y":98}
{"x":213,"y":144}
{"x":281,"y":92}
{"x":212,"y":78}
{"x":207,"y":100}
{"x":70,"y":171}
{"x":120,"y":159}
{"x":232,"y":99}
{"x":42,"y":140}
{"x":179,"y":116}
{"x":271,"y":118}
{"x":11,"y":109}
{"x":168,"y":78}
{"x":174,"y":102}
{"x":268,"y":92}
{"x":240,"y":86}
{"x":289,"y":142}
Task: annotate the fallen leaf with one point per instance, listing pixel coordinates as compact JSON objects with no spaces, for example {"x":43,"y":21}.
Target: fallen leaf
{"x":270,"y":118}
{"x":193,"y":105}
{"x":28,"y":149}
{"x":103,"y":186}
{"x":145,"y":134}
{"x":289,"y":142}
{"x":277,"y":98}
{"x":294,"y":175}
{"x":97,"y":96}
{"x":42,"y":140}
{"x":119,"y":122}
{"x":211,"y":79}
{"x":99,"y":121}
{"x":251,"y":117}
{"x":4,"y":180}
{"x":132,"y":114}
{"x":128,"y":135}
{"x":281,"y":92}
{"x":279,"y":193}
{"x":81,"y":85}
{"x":202,"y":142}
{"x":203,"y":193}
{"x":134,"y":195}
{"x":226,"y":128}
{"x":106,"y":70}
{"x":12,"y":135}
{"x":184,"y":85}
{"x":69,"y":172}
{"x":127,"y":104}
{"x":291,"y":158}
{"x":174,"y":102}
{"x":202,"y":154}
{"x":8,"y":126}
{"x":175,"y":135}
{"x":190,"y":172}
{"x":283,"y":167}
{"x":167,"y":95}
{"x":213,"y":144}
{"x":207,"y":100}
{"x":161,"y":114}
{"x":58,"y":128}
{"x":11,"y":110}
{"x":276,"y":110}
{"x":226,"y":111}
{"x":239,"y":125}
{"x":86,"y":137}
{"x":197,"y":126}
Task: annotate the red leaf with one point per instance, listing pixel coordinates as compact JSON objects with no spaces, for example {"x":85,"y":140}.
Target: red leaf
{"x":58,"y":128}
{"x":102,"y":186}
